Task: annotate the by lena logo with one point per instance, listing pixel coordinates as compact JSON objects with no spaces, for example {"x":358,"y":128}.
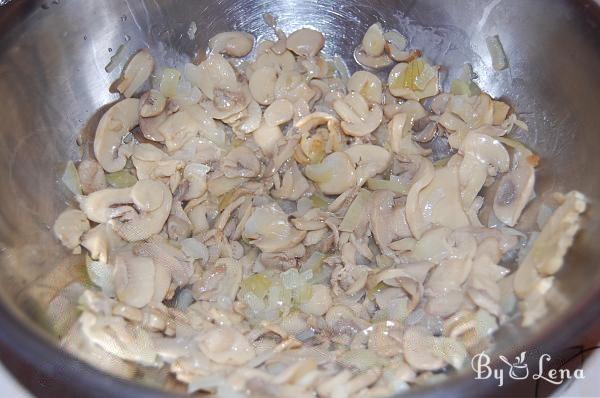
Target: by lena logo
{"x":519,"y":370}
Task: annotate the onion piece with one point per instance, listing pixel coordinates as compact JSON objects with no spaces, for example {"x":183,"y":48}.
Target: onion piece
{"x":169,"y":82}
{"x":394,"y":186}
{"x":355,"y":211}
{"x":499,"y":60}
{"x":71,"y":179}
{"x":121,"y":179}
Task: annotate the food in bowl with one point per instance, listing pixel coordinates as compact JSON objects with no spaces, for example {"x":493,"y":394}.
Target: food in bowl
{"x":264,"y":223}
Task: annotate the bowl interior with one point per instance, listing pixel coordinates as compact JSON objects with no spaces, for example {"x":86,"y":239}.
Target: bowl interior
{"x":52,"y":60}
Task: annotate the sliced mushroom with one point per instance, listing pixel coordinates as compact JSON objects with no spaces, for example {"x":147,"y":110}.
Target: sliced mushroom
{"x":359,"y":119}
{"x":178,"y":129}
{"x":228,"y":102}
{"x":134,"y":279}
{"x":373,"y":41}
{"x":100,"y":241}
{"x":366,"y":84}
{"x":306,"y":42}
{"x":114,"y":125}
{"x":152,"y":104}
{"x":262,"y":85}
{"x":214,"y":72}
{"x":547,"y":253}
{"x":514,"y":190}
{"x":225,"y":345}
{"x":70,"y":225}
{"x":268,"y":229}
{"x":280,"y":45}
{"x":292,"y":86}
{"x":279,"y":112}
{"x":234,"y":44}
{"x":418,"y":344}
{"x":241,"y":162}
{"x":280,"y":62}
{"x":248,"y":120}
{"x":368,"y":61}
{"x":267,"y":137}
{"x":388,"y":221}
{"x":195,"y":174}
{"x":483,"y":156}
{"x":135,"y":74}
{"x":422,"y":179}
{"x":293,"y":184}
{"x":91,"y":176}
{"x":395,"y":45}
{"x":400,"y":138}
{"x":334,"y":175}
{"x":369,"y":161}
{"x":320,"y":301}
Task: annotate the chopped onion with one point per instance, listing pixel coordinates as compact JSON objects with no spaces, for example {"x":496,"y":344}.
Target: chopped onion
{"x":356,"y":209}
{"x":361,"y":359}
{"x":318,"y":201}
{"x":257,"y":284}
{"x":71,"y":179}
{"x":121,"y":179}
{"x":118,"y":59}
{"x":221,"y":185}
{"x":101,"y":275}
{"x":341,"y":68}
{"x":499,"y":60}
{"x":394,"y":186}
{"x":169,"y":82}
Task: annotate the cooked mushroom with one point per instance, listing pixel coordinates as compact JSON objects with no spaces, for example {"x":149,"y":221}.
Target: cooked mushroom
{"x":70,"y":225}
{"x":114,"y":125}
{"x":262,"y":85}
{"x":369,"y":161}
{"x":234,"y":44}
{"x":279,"y":112}
{"x":91,"y":176}
{"x":378,"y":62}
{"x":373,"y":42}
{"x":241,"y":162}
{"x":334,"y":175}
{"x":366,"y":84}
{"x":268,"y":229}
{"x":135,"y":74}
{"x":359,"y":119}
{"x":153,"y":104}
{"x":306,"y":42}
{"x":415,"y":80}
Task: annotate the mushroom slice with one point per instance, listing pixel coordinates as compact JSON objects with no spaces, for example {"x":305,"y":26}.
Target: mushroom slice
{"x":101,"y":206}
{"x":279,"y":112}
{"x":146,"y":196}
{"x":395,"y":45}
{"x":135,"y":74}
{"x":134,"y":279}
{"x":415,"y":80}
{"x":225,"y":345}
{"x":422,"y":179}
{"x":306,"y":42}
{"x":400,"y":138}
{"x":234,"y":44}
{"x":70,"y":225}
{"x":268,"y":229}
{"x":152,"y":104}
{"x":359,"y":119}
{"x":418,"y":344}
{"x":267,"y":137}
{"x":388,"y":221}
{"x":228,"y":102}
{"x":334,"y":175}
{"x":320,"y":301}
{"x":369,"y":161}
{"x":293,"y":184}
{"x":280,"y":62}
{"x":440,"y":202}
{"x":114,"y":125}
{"x":91,"y":176}
{"x":214,"y":72}
{"x":292,"y":86}
{"x":195,"y":174}
{"x":262,"y":85}
{"x":140,"y":226}
{"x":368,"y":61}
{"x":249,"y":120}
{"x":483,"y":156}
{"x":366,"y":84}
{"x":547,"y":253}
{"x":515,"y":190}
{"x":373,"y":41}
{"x":177,"y":129}
{"x":241,"y":162}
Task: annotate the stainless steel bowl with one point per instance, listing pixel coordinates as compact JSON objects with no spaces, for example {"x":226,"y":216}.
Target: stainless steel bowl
{"x":53,"y":82}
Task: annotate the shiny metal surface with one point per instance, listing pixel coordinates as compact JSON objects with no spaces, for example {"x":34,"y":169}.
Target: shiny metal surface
{"x":52,"y":59}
